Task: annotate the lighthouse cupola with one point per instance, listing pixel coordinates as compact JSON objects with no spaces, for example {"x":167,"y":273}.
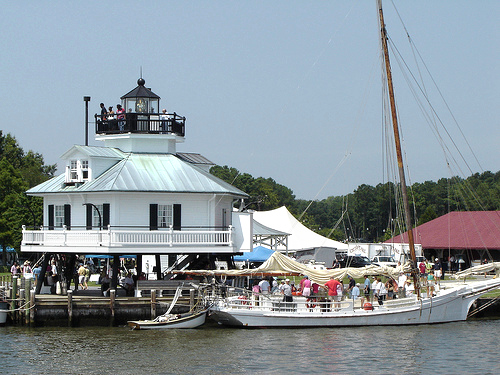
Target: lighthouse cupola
{"x":141,"y":99}
{"x":139,"y":125}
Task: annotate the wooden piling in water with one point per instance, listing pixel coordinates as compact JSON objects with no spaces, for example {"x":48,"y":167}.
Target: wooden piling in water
{"x":112,"y":297}
{"x":153,"y":304}
{"x":13,"y":298}
{"x":20,"y":311}
{"x":32,"y":307}
{"x":70,"y":308}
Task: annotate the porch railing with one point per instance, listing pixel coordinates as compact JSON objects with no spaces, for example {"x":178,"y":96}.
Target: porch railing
{"x":119,"y":237}
{"x":149,"y":123}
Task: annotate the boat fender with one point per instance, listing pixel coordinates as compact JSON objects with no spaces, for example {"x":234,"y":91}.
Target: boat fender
{"x":367,"y":306}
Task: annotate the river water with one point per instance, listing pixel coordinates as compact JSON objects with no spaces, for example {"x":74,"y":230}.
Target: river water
{"x":470,"y":347}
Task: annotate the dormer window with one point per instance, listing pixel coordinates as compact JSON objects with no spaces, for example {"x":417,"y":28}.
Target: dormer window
{"x":74,"y":170}
{"x":85,"y":169}
{"x":77,"y":171}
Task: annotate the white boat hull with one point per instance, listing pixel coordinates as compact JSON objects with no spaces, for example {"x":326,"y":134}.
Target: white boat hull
{"x":191,"y":321}
{"x":3,"y":312}
{"x":449,"y":306}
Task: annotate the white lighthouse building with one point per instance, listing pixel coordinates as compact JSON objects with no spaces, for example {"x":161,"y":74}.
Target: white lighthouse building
{"x":137,"y":195}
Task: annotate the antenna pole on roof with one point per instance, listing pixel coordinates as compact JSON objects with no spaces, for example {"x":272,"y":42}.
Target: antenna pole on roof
{"x":86,"y":99}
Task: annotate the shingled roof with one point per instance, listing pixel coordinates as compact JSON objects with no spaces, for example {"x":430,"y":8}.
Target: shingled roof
{"x":474,"y":230}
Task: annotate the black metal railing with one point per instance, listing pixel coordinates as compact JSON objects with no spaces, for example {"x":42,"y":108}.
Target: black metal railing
{"x":147,"y":123}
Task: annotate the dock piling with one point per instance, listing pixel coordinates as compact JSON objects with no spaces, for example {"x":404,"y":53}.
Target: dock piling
{"x":70,"y":308}
{"x":13,"y":298}
{"x":112,"y":297}
{"x":32,"y":307}
{"x":153,"y":304}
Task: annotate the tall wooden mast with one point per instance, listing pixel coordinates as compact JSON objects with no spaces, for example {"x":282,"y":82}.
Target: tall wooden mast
{"x":395,"y":126}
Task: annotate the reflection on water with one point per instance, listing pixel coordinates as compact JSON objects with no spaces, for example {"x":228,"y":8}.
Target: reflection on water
{"x":465,"y":347}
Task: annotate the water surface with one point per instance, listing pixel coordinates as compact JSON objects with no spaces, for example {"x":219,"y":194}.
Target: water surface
{"x":467,"y":347}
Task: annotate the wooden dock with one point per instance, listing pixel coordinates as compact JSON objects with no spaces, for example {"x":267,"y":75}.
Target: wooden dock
{"x":88,"y":307}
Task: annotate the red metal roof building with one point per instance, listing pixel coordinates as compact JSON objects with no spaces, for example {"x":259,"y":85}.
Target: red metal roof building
{"x":471,"y":232}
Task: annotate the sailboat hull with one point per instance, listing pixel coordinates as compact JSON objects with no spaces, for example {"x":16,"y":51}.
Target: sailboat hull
{"x":449,"y":306}
{"x":189,"y":321}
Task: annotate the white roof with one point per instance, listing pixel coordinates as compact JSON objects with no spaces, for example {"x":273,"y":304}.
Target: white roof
{"x":300,"y":237}
{"x":146,"y":173}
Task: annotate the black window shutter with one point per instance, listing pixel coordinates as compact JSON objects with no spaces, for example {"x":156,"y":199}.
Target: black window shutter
{"x":177,"y":217}
{"x":105,"y":215}
{"x":153,"y":216}
{"x":67,"y":216}
{"x":90,"y":215}
{"x":51,"y":216}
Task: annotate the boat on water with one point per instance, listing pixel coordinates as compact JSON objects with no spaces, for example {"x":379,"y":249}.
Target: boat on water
{"x":192,"y":319}
{"x":187,"y":320}
{"x":449,"y":304}
{"x":242,"y":309}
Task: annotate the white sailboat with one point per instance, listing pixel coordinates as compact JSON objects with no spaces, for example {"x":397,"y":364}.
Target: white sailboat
{"x":451,"y":303}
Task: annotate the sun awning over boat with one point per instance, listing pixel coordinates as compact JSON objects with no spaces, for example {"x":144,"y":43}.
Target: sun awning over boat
{"x":281,"y":265}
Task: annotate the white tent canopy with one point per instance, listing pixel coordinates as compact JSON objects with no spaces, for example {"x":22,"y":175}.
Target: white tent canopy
{"x":300,"y":236}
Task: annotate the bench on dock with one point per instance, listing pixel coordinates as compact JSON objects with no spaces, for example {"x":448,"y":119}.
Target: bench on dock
{"x":162,"y":287}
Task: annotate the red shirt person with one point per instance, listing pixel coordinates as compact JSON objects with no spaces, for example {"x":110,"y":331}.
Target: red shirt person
{"x":332,"y":286}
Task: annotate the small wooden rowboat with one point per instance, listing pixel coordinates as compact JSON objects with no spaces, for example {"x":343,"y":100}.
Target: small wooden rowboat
{"x":188,"y":320}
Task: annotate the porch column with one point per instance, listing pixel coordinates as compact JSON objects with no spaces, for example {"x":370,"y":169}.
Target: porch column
{"x":114,"y":277}
{"x":138,"y":264}
{"x":41,"y":277}
{"x":159,"y":275}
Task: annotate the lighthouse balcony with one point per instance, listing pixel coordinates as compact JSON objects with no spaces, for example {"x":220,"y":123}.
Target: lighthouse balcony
{"x":129,"y":240}
{"x":145,"y":123}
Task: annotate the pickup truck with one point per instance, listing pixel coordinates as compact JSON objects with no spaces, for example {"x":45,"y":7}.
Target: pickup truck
{"x":383,"y":260}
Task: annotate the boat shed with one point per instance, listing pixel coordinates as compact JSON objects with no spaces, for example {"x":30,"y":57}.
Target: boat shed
{"x":474,"y":235}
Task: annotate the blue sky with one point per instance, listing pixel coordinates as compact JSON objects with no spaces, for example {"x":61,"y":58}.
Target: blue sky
{"x":283,"y":89}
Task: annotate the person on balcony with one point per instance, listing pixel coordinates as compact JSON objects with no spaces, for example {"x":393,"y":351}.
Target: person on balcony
{"x":164,"y":118}
{"x":121,"y":117}
{"x":103,"y":112}
{"x":111,"y":113}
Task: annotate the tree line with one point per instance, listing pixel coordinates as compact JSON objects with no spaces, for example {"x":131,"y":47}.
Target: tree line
{"x":369,"y":214}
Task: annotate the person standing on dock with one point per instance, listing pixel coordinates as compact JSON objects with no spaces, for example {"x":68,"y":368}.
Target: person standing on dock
{"x":14,"y":268}
{"x":81,"y":276}
{"x":438,"y":270}
{"x":87,"y":276}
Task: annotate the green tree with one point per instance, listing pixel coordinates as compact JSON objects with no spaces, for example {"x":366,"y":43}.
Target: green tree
{"x":19,"y":171}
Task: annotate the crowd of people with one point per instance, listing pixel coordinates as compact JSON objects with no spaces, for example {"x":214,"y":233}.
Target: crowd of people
{"x":58,"y":275}
{"x":374,"y":289}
